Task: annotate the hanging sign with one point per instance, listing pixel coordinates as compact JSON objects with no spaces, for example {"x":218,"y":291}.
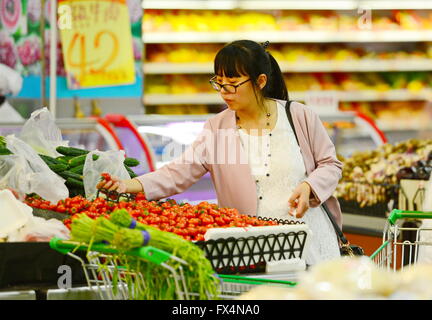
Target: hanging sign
{"x":97,"y":43}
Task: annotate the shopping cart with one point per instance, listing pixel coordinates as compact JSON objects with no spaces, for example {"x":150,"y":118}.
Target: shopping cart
{"x":106,"y":273}
{"x":398,"y":250}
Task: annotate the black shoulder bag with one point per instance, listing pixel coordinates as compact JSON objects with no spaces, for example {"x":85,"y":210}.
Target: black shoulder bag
{"x":346,"y":248}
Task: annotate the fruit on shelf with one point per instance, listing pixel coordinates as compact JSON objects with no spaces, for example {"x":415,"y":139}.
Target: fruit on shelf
{"x":228,"y":21}
{"x":323,"y":21}
{"x":412,"y":81}
{"x":335,"y":54}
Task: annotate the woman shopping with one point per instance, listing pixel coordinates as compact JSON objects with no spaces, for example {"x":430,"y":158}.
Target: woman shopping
{"x":266,"y":156}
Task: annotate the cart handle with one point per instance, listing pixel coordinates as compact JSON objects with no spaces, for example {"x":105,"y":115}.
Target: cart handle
{"x":401,"y":214}
{"x":253,"y":281}
{"x":148,"y":253}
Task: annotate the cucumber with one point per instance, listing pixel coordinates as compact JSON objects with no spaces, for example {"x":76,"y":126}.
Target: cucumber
{"x":79,"y":160}
{"x":2,"y":142}
{"x":49,"y":160}
{"x":57,"y":168}
{"x":130,"y":171}
{"x":78,"y":169}
{"x":74,"y":183}
{"x":67,"y":174}
{"x":69,"y":151}
{"x":5,"y":152}
{"x":73,"y":192}
{"x":64,"y":159}
{"x":131,"y":162}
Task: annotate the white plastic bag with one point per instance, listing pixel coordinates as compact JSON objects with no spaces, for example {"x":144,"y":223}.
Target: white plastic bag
{"x":42,"y":134}
{"x":25,"y":172}
{"x":110,"y":162}
{"x":17,"y":222}
{"x":40,"y":230}
{"x":13,"y":214}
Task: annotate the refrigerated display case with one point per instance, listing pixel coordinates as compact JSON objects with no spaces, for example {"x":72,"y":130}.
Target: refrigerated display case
{"x":88,"y":133}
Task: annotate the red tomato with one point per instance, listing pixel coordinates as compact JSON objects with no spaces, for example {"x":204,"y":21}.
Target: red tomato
{"x":106,"y":176}
{"x":206,"y":219}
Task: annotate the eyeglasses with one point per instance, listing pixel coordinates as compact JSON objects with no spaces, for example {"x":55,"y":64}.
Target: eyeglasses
{"x":230,"y":88}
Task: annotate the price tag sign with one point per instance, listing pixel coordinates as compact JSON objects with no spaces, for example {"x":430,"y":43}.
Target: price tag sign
{"x":97,"y":43}
{"x":324,"y":102}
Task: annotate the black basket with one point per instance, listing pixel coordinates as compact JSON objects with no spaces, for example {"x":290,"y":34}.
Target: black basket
{"x":249,"y":255}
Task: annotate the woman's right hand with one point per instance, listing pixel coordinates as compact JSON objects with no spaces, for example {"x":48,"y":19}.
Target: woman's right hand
{"x":121,"y":186}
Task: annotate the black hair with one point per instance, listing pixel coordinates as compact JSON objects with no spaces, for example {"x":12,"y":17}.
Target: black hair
{"x":246,"y":57}
{"x":2,"y":99}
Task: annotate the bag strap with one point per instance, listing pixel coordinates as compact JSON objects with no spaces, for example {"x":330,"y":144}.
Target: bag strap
{"x":289,"y":116}
{"x":324,"y":206}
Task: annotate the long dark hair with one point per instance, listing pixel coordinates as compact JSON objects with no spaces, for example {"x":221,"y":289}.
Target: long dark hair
{"x":246,"y":57}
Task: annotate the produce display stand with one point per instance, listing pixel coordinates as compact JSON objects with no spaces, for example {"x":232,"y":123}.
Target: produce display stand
{"x":29,"y":270}
{"x":101,"y":279}
{"x":398,"y":251}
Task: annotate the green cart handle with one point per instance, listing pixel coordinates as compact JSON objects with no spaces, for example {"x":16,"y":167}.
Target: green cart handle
{"x":401,"y":214}
{"x":254,"y":281}
{"x":148,"y":253}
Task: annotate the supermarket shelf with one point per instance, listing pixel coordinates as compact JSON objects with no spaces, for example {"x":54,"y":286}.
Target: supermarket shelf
{"x":195,"y":98}
{"x":365,"y":65}
{"x":299,"y":36}
{"x":396,"y":4}
{"x":285,"y":5}
{"x":191,"y":4}
{"x":348,"y":96}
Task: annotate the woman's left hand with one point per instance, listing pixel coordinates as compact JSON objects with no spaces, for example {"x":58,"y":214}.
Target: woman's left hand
{"x":299,"y":200}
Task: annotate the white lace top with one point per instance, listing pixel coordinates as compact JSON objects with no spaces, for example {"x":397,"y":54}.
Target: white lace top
{"x":277,"y":165}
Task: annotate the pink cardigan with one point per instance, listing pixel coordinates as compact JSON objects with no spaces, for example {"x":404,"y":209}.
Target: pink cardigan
{"x":218,"y":150}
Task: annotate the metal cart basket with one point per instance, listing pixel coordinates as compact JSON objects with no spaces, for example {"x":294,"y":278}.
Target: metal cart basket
{"x":106,"y":275}
{"x":403,"y":237}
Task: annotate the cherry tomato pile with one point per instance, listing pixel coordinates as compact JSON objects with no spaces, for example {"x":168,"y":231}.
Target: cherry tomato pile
{"x":186,"y":220}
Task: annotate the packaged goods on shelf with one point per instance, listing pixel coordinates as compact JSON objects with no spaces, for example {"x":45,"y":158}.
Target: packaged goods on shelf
{"x":370,"y":179}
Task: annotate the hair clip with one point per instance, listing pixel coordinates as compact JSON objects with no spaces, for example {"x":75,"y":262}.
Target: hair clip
{"x":265,"y":44}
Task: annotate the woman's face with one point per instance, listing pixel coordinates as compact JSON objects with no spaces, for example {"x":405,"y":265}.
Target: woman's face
{"x":244,"y":94}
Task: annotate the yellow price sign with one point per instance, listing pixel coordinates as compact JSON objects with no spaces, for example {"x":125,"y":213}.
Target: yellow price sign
{"x":97,"y":43}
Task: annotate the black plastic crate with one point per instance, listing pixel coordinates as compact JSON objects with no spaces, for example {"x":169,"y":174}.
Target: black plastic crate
{"x":249,"y":255}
